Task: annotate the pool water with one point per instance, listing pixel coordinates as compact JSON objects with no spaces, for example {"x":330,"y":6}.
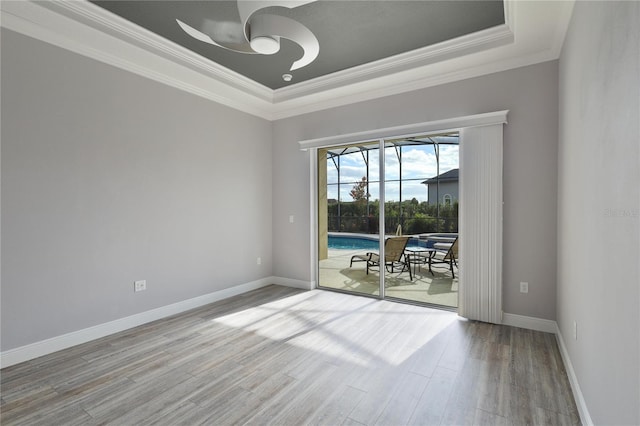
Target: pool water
{"x":339,"y":242}
{"x":352,"y":243}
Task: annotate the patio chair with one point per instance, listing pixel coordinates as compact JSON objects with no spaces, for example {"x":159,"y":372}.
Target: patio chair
{"x":394,"y":256}
{"x":447,"y":256}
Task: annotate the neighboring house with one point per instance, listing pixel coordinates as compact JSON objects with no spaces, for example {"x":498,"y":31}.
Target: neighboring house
{"x":443,"y":187}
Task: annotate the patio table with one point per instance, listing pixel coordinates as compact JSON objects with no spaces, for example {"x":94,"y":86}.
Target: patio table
{"x":418,"y":256}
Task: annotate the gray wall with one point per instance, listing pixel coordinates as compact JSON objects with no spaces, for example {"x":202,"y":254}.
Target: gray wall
{"x":530,"y":171}
{"x":107,"y":178}
{"x":599,"y":206}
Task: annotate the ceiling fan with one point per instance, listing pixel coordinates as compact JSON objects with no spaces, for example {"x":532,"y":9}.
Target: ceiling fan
{"x":259,"y":33}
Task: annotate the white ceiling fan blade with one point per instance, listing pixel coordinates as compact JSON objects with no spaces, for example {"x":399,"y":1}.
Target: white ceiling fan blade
{"x":246,"y":8}
{"x":268,"y":28}
{"x":276,"y":25}
{"x":309,"y":44}
{"x":198,"y":35}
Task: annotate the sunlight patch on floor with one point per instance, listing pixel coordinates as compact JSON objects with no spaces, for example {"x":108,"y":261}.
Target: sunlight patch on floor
{"x":324,"y":331}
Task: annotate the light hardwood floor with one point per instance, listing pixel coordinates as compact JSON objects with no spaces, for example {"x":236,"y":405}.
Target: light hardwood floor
{"x":290,"y":357}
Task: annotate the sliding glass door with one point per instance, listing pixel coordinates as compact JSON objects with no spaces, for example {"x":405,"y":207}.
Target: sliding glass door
{"x":348,"y":218}
{"x":406,"y":191}
{"x":421,"y":205}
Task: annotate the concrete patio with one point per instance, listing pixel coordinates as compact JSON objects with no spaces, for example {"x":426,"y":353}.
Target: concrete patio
{"x":437,"y":289}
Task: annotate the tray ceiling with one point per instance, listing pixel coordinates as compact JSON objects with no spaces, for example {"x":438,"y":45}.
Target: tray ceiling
{"x":350,"y":33}
{"x":367,"y":49}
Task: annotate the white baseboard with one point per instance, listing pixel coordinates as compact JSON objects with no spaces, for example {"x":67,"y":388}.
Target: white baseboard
{"x":288,"y":282}
{"x":530,"y":323}
{"x":585,"y":417}
{"x":549,"y":326}
{"x":54,"y":344}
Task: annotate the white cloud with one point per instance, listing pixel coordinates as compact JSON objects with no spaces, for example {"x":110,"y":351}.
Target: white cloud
{"x":418,"y":162}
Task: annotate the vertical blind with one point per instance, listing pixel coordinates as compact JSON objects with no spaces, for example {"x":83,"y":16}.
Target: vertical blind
{"x":480,"y":251}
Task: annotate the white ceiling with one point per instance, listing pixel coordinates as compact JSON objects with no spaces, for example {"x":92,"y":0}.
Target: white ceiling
{"x":533,"y":32}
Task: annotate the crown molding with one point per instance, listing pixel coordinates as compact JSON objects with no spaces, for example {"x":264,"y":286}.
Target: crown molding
{"x":410,"y":81}
{"x":530,"y":22}
{"x":533,"y":32}
{"x":39,"y":20}
{"x":104,"y":20}
{"x":464,"y":45}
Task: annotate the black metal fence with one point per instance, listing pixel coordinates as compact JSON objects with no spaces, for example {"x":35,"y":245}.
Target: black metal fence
{"x":419,"y":224}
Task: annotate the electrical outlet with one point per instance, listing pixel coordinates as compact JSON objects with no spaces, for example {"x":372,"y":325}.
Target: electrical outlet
{"x":291,"y":218}
{"x":524,"y":287}
{"x":259,"y":261}
{"x":139,"y":285}
{"x":575,"y":330}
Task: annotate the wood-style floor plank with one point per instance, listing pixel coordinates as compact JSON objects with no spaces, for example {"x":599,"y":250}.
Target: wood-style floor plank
{"x":433,"y":401}
{"x":288,"y":357}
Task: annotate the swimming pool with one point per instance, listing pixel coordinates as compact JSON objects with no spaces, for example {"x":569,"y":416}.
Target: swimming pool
{"x":340,"y":242}
{"x":353,"y":242}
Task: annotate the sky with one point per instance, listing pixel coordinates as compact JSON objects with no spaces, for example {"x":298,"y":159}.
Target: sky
{"x":418,"y":162}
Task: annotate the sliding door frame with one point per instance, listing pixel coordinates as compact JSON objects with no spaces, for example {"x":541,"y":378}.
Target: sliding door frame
{"x":486,"y":289}
{"x":381,"y":215}
{"x":315,"y":216}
